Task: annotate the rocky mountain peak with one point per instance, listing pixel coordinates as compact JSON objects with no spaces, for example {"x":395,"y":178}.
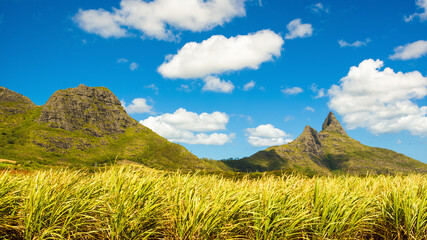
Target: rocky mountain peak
{"x":12,"y":102}
{"x":309,"y":141}
{"x":95,"y":110}
{"x":331,"y":124}
{"x":309,"y":130}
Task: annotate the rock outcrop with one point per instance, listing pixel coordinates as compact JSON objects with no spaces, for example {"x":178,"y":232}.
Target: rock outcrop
{"x":14,"y":103}
{"x":309,"y":142}
{"x":331,"y":124}
{"x":95,"y":110}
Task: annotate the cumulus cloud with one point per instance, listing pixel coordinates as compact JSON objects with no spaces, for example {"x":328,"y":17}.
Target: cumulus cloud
{"x":248,"y":86}
{"x":205,"y":122}
{"x":410,"y":51}
{"x":355,"y":44}
{"x":133,"y":66}
{"x":159,"y":18}
{"x":292,"y":91}
{"x":219,"y":54}
{"x":318,"y":8}
{"x":422,"y":5}
{"x":189,"y":127}
{"x":319,"y":92}
{"x":101,"y":22}
{"x":298,"y":30}
{"x":267,"y":135}
{"x":381,"y":101}
{"x":214,"y":84}
{"x":138,"y":105}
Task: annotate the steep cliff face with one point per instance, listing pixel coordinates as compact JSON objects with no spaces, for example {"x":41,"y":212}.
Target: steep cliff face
{"x":330,"y":151}
{"x":309,"y":142}
{"x":84,"y":126}
{"x":96,"y":111}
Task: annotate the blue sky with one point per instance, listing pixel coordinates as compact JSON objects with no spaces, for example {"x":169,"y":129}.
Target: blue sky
{"x":237,"y":76}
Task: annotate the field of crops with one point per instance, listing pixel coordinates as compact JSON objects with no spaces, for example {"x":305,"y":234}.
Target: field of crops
{"x":124,"y":202}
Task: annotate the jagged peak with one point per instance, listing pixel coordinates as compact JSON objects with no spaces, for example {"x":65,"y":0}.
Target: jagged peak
{"x":331,"y":124}
{"x":309,"y":142}
{"x":309,"y":133}
{"x":309,"y":129}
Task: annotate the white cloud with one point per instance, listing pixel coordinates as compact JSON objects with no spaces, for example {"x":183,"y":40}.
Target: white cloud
{"x":267,"y":135}
{"x":138,"y":105}
{"x":356,"y":44}
{"x":181,"y":125}
{"x":248,"y":86}
{"x":219,"y":54}
{"x":214,"y":84}
{"x":267,"y":142}
{"x":319,"y":92}
{"x":100,"y":22}
{"x":122,"y":60}
{"x":318,"y":8}
{"x":310,"y":109}
{"x":381,"y":101}
{"x":292,"y":91}
{"x":422,"y":4}
{"x":410,"y":51}
{"x":205,"y":122}
{"x":133,"y":66}
{"x":298,"y":30}
{"x":158,"y":18}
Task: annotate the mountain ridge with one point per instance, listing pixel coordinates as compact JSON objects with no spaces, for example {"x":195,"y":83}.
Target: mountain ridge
{"x":84,"y":126}
{"x":89,"y":126}
{"x":327,"y":152}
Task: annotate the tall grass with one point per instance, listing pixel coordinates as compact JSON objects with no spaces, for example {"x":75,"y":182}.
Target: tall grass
{"x":138,"y":203}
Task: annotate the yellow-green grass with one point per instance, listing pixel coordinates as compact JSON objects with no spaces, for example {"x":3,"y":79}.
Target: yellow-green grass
{"x":134,"y":202}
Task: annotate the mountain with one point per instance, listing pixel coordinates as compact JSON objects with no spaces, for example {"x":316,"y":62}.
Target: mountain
{"x":327,"y":152}
{"x":88,"y":126}
{"x":84,"y":126}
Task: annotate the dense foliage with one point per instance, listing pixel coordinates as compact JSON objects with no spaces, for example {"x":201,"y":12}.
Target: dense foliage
{"x":130,"y":202}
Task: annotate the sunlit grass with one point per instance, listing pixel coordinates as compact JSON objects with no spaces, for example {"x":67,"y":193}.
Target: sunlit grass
{"x":124,"y":202}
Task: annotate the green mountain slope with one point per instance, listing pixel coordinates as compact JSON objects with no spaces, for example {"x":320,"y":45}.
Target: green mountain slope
{"x":84,"y":126}
{"x":330,"y":151}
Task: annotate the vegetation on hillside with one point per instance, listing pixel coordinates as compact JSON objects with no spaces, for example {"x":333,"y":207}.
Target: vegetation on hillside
{"x":331,"y":151}
{"x":124,"y":202}
{"x":30,"y":135}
